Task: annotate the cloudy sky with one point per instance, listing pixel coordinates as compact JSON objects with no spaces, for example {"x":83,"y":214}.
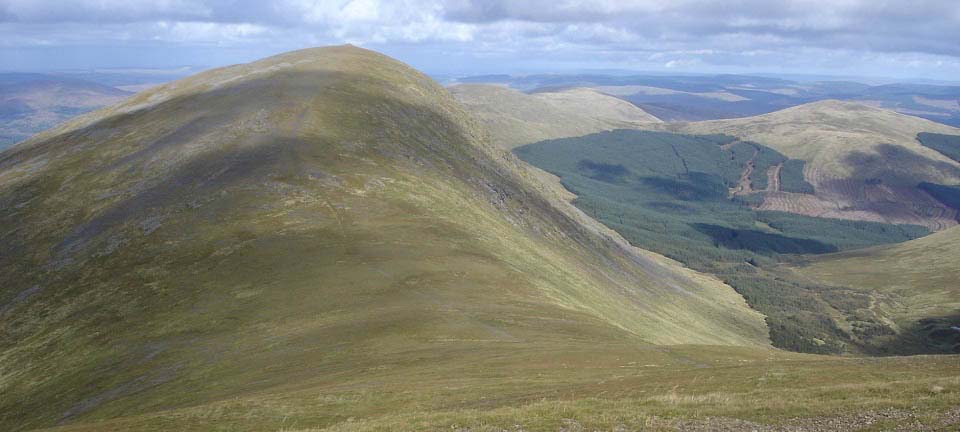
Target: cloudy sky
{"x":902,"y":38}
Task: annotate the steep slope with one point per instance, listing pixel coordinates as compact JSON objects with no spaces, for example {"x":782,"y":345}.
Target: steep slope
{"x":919,"y":280}
{"x":306,"y":220}
{"x":864,"y":163}
{"x":30,"y":103}
{"x":516,"y":118}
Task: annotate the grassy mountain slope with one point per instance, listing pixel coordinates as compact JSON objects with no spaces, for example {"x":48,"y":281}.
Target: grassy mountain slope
{"x":919,"y":278}
{"x":516,"y":118}
{"x":311,"y":220}
{"x":30,"y":103}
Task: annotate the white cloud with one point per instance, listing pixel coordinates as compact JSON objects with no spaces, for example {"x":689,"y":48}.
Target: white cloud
{"x":207,"y":32}
{"x":101,"y":10}
{"x":665,"y":32}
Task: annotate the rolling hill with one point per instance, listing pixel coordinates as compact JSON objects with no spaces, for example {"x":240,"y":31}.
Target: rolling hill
{"x":711,"y":97}
{"x":30,"y":103}
{"x":516,"y":118}
{"x":327,"y":240}
{"x":314,"y":214}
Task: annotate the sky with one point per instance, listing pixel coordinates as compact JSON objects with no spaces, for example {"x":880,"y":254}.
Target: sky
{"x":881,"y":38}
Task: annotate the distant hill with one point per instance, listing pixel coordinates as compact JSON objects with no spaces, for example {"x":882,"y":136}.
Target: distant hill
{"x":711,"y":97}
{"x":515,"y":118}
{"x":30,"y":103}
{"x":864,"y":163}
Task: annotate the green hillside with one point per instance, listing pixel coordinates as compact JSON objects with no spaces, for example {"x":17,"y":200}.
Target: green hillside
{"x":326,"y":240}
{"x":318,"y":213}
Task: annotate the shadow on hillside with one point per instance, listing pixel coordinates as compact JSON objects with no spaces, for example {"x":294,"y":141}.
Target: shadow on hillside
{"x":893,"y":164}
{"x":692,"y":186}
{"x":761,"y":242}
{"x":607,"y":173}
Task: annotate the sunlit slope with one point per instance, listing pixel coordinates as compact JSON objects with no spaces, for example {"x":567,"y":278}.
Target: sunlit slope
{"x":919,"y":278}
{"x":515,"y":118}
{"x":302,"y":221}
